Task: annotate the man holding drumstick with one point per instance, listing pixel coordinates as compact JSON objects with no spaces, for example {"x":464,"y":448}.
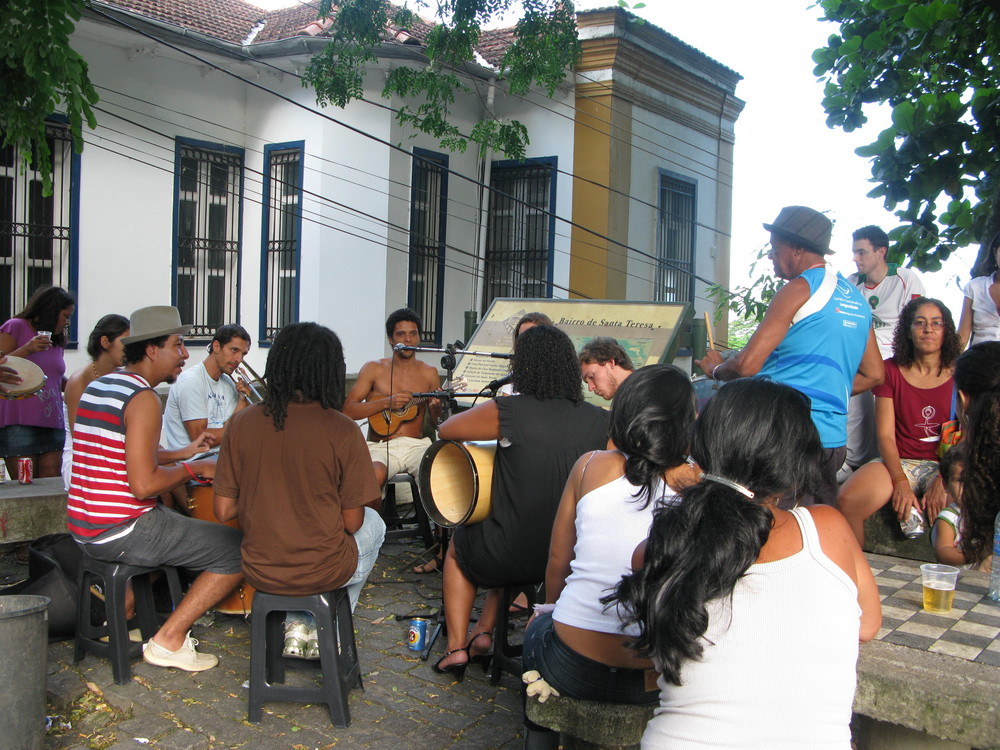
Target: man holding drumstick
{"x":206,"y":396}
{"x":112,"y":511}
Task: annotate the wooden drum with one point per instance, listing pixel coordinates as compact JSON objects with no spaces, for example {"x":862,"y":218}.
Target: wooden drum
{"x":32,"y":379}
{"x":201,"y":505}
{"x":456,"y":482}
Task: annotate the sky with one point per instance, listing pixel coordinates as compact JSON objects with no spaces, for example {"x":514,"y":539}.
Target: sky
{"x":784,"y":153}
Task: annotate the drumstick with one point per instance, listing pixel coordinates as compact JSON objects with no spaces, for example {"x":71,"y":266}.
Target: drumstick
{"x":708,"y":328}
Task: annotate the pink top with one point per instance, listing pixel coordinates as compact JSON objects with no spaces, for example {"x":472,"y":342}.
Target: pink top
{"x":920,"y":412}
{"x":45,"y":408}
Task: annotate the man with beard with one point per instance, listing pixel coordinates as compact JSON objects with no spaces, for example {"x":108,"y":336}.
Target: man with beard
{"x":118,"y":471}
{"x":382,"y":396}
{"x":604,"y":366}
{"x":206,"y":396}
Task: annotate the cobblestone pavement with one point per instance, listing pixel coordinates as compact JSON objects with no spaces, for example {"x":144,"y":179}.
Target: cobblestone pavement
{"x":404,"y":704}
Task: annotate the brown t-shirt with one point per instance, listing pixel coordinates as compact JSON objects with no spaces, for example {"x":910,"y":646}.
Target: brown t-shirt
{"x":290,"y":488}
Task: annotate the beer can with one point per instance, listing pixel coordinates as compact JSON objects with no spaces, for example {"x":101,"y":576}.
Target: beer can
{"x":913,"y":526}
{"x":416,"y":636}
{"x":25,"y":470}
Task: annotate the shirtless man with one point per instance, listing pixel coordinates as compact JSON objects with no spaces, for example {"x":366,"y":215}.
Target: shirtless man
{"x":386,"y":384}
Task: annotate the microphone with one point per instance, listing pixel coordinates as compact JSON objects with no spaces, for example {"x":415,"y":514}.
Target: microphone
{"x":403,"y":348}
{"x":496,"y":385}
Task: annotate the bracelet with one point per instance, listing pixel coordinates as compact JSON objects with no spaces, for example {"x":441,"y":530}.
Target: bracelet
{"x":714,"y":376}
{"x":899,"y":478}
{"x":196,"y":477}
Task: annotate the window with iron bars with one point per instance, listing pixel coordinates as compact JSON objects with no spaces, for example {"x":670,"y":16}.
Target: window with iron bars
{"x":675,"y":240}
{"x":519,"y":240}
{"x":428,"y":219}
{"x":36,"y":233}
{"x":282,"y":238}
{"x":207,"y":246}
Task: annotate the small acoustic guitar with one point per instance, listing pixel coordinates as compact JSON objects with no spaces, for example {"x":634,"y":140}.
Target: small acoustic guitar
{"x":387,"y":421}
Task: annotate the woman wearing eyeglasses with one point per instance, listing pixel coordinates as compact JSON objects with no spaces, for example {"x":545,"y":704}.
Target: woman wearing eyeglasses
{"x":910,"y":407}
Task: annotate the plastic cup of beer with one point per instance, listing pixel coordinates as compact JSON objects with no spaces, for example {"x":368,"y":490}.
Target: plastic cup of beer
{"x":939,"y":587}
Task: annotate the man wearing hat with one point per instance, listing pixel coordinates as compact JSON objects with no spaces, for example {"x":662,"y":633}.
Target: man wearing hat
{"x":118,"y":473}
{"x":816,"y":335}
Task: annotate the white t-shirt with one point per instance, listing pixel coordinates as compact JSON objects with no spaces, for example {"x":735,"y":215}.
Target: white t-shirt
{"x":985,"y":321}
{"x":887,"y":300}
{"x":196,"y":395}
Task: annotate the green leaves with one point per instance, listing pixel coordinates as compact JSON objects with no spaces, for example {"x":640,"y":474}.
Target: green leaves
{"x":544,"y":49}
{"x":931,"y":61}
{"x":40,"y":74}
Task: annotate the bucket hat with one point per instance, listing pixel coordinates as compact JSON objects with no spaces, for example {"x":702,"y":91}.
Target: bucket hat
{"x":805,"y":226}
{"x":152,"y":322}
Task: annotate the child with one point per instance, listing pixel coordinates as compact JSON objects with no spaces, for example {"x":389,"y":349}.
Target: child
{"x":946,"y":535}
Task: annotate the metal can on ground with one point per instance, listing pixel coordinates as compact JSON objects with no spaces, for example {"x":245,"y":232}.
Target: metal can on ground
{"x":913,"y":526}
{"x":416,"y":636}
{"x":25,"y":470}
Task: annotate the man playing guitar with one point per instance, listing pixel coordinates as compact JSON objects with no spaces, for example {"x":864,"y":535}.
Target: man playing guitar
{"x":382,"y":395}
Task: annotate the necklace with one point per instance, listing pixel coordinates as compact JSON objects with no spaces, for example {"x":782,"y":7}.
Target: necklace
{"x":93,"y":366}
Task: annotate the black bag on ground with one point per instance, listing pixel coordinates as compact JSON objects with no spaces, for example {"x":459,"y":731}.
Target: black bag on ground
{"x":53,"y":571}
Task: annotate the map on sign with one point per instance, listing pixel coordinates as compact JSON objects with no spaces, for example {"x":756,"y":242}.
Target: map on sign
{"x":648,"y":331}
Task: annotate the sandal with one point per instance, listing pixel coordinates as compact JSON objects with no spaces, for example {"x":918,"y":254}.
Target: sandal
{"x":434,"y":565}
{"x":482,"y":659}
{"x":458,"y":670}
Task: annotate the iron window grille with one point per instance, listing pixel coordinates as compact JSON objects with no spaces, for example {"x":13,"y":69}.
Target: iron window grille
{"x":428,"y":219}
{"x":35,"y":229}
{"x":282,"y":239}
{"x":519,"y":238}
{"x":208,"y":209}
{"x":675,"y":240}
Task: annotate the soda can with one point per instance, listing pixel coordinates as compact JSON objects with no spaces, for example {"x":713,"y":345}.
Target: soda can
{"x":3,"y":471}
{"x":25,"y":470}
{"x":913,"y":526}
{"x":416,"y":636}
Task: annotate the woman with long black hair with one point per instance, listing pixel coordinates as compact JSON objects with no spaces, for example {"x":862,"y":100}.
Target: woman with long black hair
{"x":752,"y":614}
{"x":580,"y":647}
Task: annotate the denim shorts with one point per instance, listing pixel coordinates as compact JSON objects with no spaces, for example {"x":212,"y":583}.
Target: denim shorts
{"x":28,"y":440}
{"x":165,"y":537}
{"x":576,"y":676}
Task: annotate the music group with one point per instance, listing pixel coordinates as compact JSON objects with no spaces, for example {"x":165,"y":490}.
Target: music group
{"x":692,"y":562}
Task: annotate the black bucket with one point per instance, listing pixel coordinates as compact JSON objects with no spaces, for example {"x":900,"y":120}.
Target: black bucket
{"x":24,"y":643}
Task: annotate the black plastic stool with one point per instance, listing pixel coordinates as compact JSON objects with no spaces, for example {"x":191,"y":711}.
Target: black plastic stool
{"x":113,"y":578}
{"x":396,"y":528}
{"x":338,"y":653}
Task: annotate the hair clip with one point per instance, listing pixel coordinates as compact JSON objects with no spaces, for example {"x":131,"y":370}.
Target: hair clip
{"x":729,"y":483}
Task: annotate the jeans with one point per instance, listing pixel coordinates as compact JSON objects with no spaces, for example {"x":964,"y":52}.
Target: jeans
{"x":577,"y":676}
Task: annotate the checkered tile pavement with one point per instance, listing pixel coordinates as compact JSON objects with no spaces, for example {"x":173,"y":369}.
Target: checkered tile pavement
{"x":969,"y":631}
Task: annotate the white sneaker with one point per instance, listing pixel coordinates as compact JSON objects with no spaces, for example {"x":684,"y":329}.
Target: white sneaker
{"x":186,"y":657}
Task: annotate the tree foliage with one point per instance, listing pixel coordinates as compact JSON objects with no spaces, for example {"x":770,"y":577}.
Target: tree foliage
{"x":936,"y":166}
{"x":748,"y":302}
{"x":544,"y":48}
{"x":40,"y":74}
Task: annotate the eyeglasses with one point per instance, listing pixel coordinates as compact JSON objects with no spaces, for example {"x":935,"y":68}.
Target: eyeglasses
{"x":935,"y":325}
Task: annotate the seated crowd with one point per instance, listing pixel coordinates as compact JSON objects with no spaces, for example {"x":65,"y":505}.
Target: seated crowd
{"x":671,"y":545}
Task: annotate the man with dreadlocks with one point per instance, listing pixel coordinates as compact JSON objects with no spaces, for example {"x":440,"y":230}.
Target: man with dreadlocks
{"x":296,"y":473}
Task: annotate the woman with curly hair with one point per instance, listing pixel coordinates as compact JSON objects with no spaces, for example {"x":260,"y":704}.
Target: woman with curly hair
{"x":910,"y":406}
{"x":543,"y":431}
{"x":752,"y":614}
{"x":980,"y":317}
{"x":34,"y":427}
{"x":977,"y":377}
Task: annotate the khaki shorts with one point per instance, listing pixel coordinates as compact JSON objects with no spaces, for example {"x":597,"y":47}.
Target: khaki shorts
{"x":401,"y":454}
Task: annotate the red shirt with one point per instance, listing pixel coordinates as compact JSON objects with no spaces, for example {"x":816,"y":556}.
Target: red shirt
{"x":920,"y":412}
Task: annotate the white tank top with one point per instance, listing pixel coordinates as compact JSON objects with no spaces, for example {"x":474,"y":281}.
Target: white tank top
{"x":778,"y":670}
{"x":610,"y":523}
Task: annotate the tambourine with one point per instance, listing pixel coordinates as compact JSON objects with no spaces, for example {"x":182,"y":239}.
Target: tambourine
{"x":32,"y":379}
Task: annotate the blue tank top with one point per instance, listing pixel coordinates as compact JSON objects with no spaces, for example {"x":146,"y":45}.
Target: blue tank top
{"x":822,"y":350}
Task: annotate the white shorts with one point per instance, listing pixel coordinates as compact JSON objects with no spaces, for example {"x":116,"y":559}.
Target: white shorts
{"x":401,"y":454}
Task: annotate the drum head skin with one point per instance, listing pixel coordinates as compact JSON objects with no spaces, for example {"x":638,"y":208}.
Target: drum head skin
{"x":456,"y":481}
{"x":32,"y":379}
